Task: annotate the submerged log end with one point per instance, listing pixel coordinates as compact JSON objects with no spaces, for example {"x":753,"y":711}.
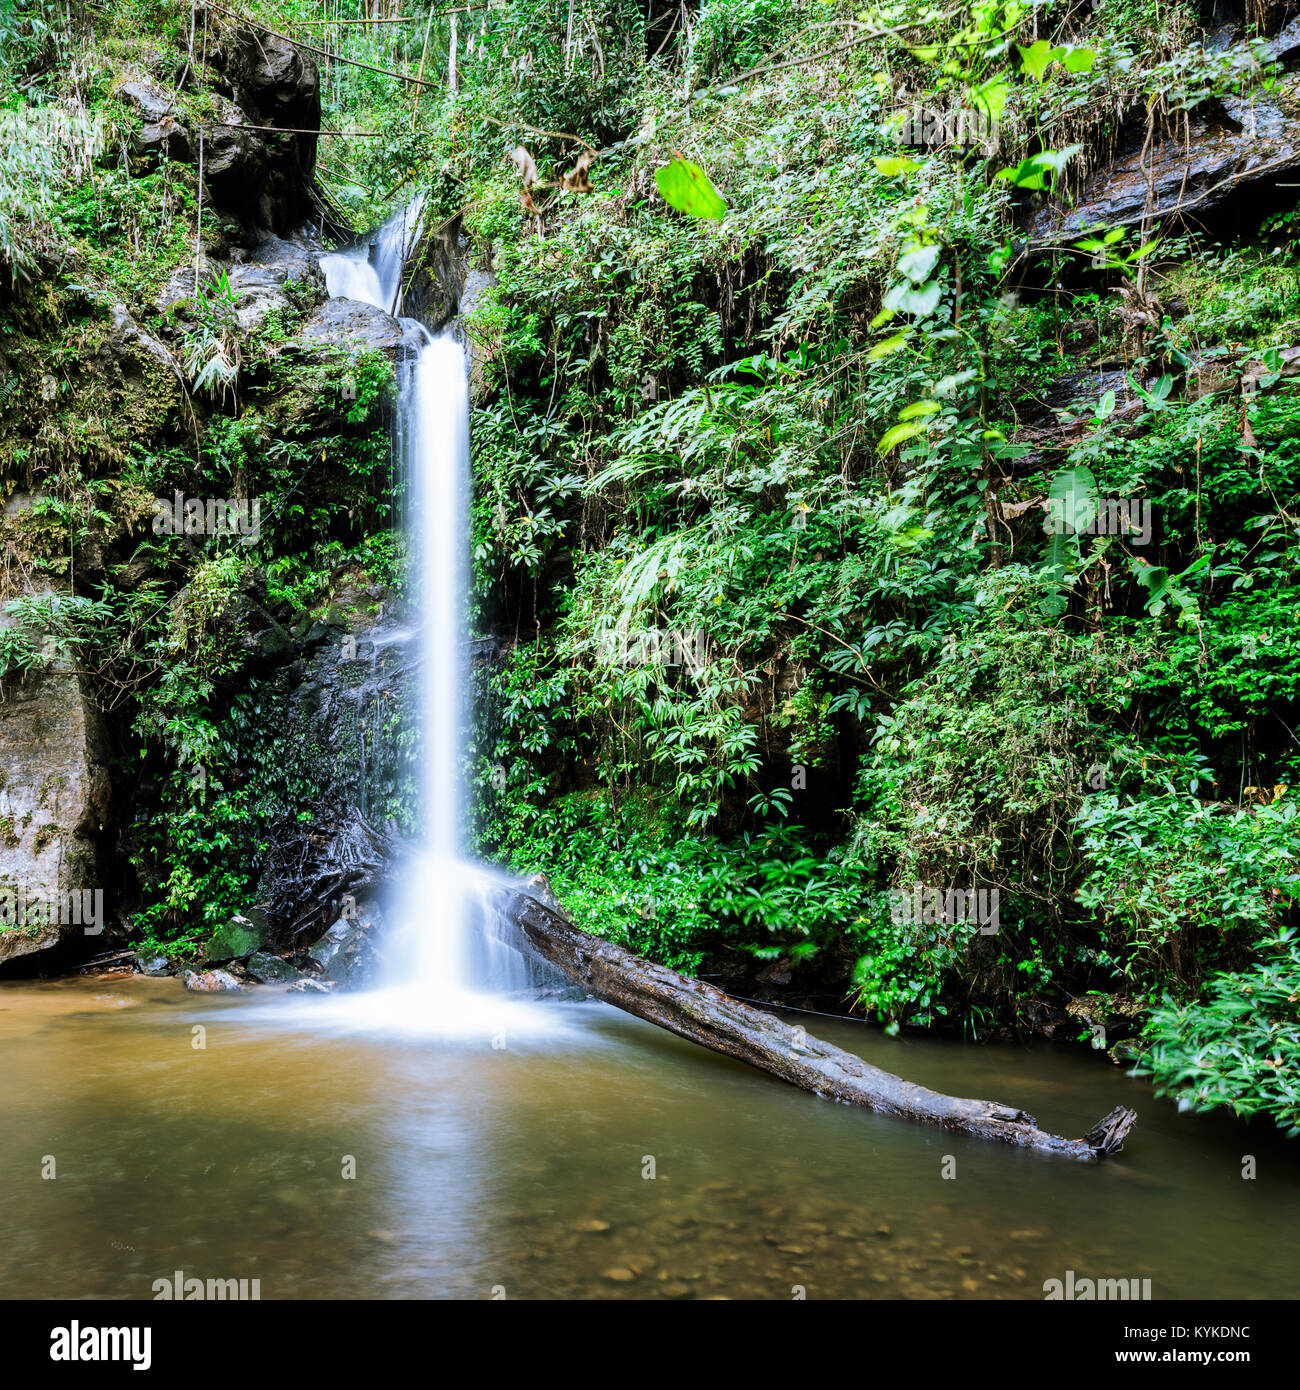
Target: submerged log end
{"x":1106,"y":1137}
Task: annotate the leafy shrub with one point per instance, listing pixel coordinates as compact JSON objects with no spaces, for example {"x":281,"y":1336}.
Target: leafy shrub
{"x":1240,"y":1046}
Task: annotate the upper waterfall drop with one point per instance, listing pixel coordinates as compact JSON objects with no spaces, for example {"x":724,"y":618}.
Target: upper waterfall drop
{"x":371,"y":270}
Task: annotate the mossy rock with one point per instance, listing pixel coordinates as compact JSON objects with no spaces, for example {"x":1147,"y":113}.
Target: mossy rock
{"x":233,"y":940}
{"x":267,"y":969}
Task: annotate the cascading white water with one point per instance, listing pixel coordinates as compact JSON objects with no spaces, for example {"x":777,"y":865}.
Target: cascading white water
{"x":450,"y":960}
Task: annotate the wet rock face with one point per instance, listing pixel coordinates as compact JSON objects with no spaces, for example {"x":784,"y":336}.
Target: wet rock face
{"x":289,"y":260}
{"x":477,"y":284}
{"x":347,"y":954}
{"x":437,"y":276}
{"x":1233,"y":145}
{"x":338,"y":714}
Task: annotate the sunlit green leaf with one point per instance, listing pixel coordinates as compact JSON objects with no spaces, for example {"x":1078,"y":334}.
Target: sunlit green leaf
{"x":686,"y":187}
{"x":889,"y":345}
{"x":1037,"y":57}
{"x":991,"y":97}
{"x":896,"y":435}
{"x":891,"y":165}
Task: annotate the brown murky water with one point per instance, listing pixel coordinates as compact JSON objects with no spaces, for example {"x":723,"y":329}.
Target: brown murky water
{"x":604,"y":1160}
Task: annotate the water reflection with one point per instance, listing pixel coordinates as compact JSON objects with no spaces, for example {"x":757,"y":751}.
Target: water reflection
{"x":605,"y":1159}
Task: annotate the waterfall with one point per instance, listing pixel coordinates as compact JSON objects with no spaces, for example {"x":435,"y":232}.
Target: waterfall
{"x":451,"y":959}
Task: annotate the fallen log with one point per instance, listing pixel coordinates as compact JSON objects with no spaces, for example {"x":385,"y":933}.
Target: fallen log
{"x":703,"y":1014}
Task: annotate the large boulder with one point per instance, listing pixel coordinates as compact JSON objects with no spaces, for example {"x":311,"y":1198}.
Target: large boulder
{"x":270,"y":276}
{"x":54,"y":811}
{"x":347,"y":954}
{"x":352,"y":324}
{"x":277,"y":275}
{"x":266,"y":969}
{"x":17,"y":943}
{"x":291,"y":260}
{"x":210,"y":981}
{"x":240,"y":936}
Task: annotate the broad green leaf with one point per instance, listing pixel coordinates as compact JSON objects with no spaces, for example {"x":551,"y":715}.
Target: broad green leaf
{"x":1144,"y":250}
{"x":1034,"y":171}
{"x":918,"y":264}
{"x":1056,"y":160}
{"x":922,"y":302}
{"x":948,"y":384}
{"x":883,"y":349}
{"x":686,"y":187}
{"x":890,"y":165}
{"x":1038,"y":57}
{"x":1071,"y":501}
{"x":1078,"y":59}
{"x":895,"y":436}
{"x":1106,"y":405}
{"x":1027,"y":174}
{"x":918,"y":409}
{"x":991,"y":96}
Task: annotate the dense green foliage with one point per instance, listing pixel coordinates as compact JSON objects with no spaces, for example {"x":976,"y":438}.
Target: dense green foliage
{"x":771,"y":413}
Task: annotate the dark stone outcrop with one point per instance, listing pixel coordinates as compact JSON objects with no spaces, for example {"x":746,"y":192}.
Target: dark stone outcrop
{"x":263,"y":178}
{"x":1233,"y":145}
{"x":162,"y":134}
